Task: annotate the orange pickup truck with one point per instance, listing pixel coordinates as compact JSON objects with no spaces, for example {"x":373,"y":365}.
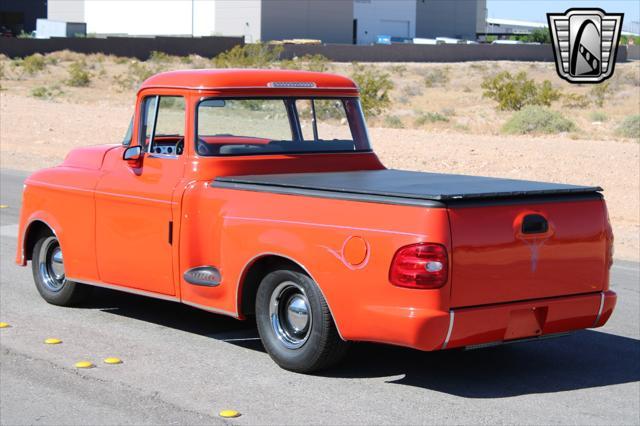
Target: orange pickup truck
{"x":256,"y":193}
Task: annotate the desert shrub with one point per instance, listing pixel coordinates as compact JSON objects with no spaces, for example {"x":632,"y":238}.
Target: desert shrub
{"x":437,"y":77}
{"x":50,"y":59}
{"x":412,"y":90}
{"x":632,"y":78}
{"x":461,"y":127}
{"x":575,"y":100}
{"x":536,"y":119}
{"x":448,"y":112}
{"x":599,"y":93}
{"x":513,"y":92}
{"x":539,"y":35}
{"x":160,"y":57}
{"x":120,"y":60}
{"x":374,"y":86}
{"x":393,"y":122}
{"x":65,"y":56}
{"x":255,"y":55}
{"x":630,"y":127}
{"x":43,"y":92}
{"x":79,"y":75}
{"x":316,"y":62}
{"x":319,"y":63}
{"x":141,"y":71}
{"x":136,"y":73}
{"x":430,"y":117}
{"x":33,"y":64}
{"x":97,"y":57}
{"x":598,"y":116}
{"x":478,"y":66}
{"x":398,"y":70}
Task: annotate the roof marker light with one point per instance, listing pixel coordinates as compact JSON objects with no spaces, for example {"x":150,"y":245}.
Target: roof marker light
{"x":291,"y":84}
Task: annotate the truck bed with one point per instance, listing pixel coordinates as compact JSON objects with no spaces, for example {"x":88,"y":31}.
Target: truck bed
{"x":404,"y":187}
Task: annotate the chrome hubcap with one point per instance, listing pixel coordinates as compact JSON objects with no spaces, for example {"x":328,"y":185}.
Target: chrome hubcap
{"x":51,"y":265}
{"x":290,"y":315}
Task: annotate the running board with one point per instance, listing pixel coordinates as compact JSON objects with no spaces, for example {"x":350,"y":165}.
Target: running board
{"x":509,"y":342}
{"x":207,"y":276}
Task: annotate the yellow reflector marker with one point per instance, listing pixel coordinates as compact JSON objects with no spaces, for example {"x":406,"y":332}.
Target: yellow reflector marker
{"x":4,"y":325}
{"x":52,"y":341}
{"x":84,"y":364}
{"x":112,"y":360}
{"x":229,"y":413}
{"x":3,"y":206}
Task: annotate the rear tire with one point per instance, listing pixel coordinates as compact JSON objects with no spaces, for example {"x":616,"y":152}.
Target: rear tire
{"x":295,"y":324}
{"x":47,"y":265}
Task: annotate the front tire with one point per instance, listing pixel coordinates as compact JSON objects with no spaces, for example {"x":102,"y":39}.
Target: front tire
{"x":295,"y":324}
{"x":47,"y":265}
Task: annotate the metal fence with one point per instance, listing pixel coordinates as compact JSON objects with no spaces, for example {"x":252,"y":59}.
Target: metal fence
{"x":431,"y":53}
{"x":138,"y":47}
{"x":134,"y":47}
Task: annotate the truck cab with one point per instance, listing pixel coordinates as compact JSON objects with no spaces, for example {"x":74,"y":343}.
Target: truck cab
{"x":257,"y":193}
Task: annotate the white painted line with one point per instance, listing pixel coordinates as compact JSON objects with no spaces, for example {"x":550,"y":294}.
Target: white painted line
{"x":9,"y":231}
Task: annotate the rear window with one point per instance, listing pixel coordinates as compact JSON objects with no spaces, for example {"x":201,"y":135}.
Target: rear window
{"x":256,"y":126}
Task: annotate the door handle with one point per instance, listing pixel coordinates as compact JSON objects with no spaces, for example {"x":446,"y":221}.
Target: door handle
{"x":534,"y":224}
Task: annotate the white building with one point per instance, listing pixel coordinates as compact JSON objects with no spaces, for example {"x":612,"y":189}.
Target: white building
{"x":500,"y":26}
{"x":332,"y":21}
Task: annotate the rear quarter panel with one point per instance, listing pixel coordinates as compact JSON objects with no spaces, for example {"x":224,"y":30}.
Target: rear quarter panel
{"x":231,"y":229}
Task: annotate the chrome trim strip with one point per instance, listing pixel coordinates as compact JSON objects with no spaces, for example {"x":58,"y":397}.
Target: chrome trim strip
{"x":210,"y":309}
{"x":154,"y":295}
{"x":599,"y":309}
{"x":451,"y":320}
{"x":253,"y":260}
{"x":126,"y":289}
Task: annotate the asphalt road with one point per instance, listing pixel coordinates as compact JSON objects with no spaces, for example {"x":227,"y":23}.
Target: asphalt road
{"x":183,"y":366}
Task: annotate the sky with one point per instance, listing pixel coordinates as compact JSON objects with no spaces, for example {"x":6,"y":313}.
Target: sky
{"x":528,"y":10}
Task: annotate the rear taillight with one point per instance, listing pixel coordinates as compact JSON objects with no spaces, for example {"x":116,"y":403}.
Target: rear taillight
{"x":423,"y":265}
{"x":610,"y":240}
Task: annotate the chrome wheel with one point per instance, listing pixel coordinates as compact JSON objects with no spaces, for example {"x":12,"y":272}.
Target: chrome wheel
{"x":290,"y":314}
{"x":51,"y":265}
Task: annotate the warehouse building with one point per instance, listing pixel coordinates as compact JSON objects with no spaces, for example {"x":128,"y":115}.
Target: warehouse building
{"x":332,"y":21}
{"x":462,"y":19}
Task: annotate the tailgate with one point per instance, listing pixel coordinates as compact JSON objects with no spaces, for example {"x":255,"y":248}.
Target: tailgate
{"x":505,"y":252}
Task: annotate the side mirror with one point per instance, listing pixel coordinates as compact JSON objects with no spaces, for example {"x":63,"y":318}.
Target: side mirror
{"x":133,"y":155}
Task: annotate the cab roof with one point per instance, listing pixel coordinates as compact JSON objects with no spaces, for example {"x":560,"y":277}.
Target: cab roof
{"x":237,"y":79}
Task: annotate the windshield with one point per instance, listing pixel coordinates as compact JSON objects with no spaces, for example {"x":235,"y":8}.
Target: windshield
{"x":257,"y":126}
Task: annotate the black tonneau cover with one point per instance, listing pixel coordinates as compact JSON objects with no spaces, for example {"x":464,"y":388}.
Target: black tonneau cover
{"x":413,"y":187}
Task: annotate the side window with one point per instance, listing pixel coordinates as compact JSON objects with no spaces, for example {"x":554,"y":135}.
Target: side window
{"x":162,"y":126}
